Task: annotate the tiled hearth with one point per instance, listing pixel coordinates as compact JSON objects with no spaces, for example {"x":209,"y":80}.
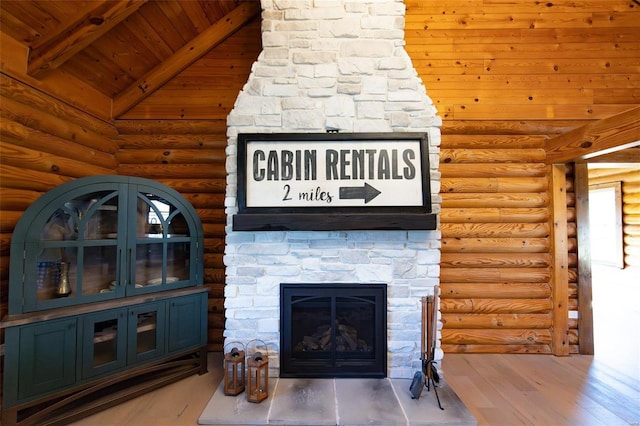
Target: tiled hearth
{"x":339,"y":402}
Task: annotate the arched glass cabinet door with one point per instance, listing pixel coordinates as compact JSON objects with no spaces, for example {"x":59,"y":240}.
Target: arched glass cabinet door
{"x":80,"y":243}
{"x":160,"y":238}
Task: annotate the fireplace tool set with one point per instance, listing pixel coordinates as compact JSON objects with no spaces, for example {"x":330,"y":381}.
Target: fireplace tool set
{"x":255,"y":377}
{"x":429,"y":375}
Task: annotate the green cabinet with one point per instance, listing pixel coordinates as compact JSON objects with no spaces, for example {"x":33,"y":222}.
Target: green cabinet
{"x":105,"y":282}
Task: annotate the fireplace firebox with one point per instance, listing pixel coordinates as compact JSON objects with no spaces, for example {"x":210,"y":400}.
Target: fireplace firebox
{"x":333,"y":330}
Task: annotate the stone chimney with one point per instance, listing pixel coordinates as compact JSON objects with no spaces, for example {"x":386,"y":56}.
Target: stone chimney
{"x":331,"y":65}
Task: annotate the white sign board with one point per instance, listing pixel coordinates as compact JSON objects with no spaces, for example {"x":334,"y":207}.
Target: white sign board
{"x":293,"y":171}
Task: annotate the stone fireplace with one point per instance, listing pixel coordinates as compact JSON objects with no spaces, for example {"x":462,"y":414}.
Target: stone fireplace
{"x":331,"y":65}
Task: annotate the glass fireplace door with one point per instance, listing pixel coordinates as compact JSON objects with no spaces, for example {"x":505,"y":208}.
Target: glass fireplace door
{"x":333,"y":331}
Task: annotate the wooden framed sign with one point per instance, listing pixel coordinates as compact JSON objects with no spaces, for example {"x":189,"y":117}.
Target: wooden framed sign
{"x":323,"y":181}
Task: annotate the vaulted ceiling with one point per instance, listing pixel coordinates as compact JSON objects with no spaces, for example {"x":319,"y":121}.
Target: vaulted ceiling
{"x":108,"y":56}
{"x":121,"y":49}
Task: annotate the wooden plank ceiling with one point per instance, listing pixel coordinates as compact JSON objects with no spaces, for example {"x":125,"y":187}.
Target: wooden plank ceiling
{"x":121,"y":49}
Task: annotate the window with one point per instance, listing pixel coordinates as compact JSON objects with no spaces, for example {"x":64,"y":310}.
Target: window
{"x":605,"y":223}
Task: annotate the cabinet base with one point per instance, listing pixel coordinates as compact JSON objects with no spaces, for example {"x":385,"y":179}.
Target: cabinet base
{"x":81,"y":401}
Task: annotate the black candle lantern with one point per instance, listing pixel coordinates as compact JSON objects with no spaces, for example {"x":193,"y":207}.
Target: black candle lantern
{"x":234,"y":370}
{"x":258,"y":380}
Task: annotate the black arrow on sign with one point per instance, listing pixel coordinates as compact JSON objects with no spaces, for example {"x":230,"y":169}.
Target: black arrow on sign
{"x":366,"y":192}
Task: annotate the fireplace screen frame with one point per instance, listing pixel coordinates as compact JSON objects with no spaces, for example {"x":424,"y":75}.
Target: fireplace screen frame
{"x":333,"y":363}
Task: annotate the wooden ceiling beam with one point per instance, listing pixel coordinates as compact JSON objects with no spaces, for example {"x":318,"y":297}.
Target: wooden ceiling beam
{"x":605,"y":136}
{"x":78,"y":34}
{"x":184,"y":57}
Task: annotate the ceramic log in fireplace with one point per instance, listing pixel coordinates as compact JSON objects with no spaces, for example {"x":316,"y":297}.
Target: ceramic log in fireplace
{"x":333,"y":330}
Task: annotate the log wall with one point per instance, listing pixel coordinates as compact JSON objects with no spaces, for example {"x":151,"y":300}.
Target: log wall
{"x":43,"y":143}
{"x":506,"y":77}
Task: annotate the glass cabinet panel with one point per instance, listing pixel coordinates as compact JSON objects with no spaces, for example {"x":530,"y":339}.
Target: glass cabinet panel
{"x":146,"y":332}
{"x":78,"y":252}
{"x":163,"y":244}
{"x":105,"y":339}
{"x":100,"y":238}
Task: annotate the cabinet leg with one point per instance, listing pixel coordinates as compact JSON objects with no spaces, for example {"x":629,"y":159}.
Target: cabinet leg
{"x":203,"y":361}
{"x":9,"y":417}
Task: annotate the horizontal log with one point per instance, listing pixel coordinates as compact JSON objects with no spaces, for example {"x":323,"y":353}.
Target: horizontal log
{"x":510,"y":200}
{"x":495,"y":245}
{"x":171,"y":156}
{"x":64,"y":129}
{"x":17,"y":199}
{"x":173,"y":171}
{"x":214,"y":275}
{"x":19,"y":178}
{"x":215,"y":306}
{"x":21,"y":157}
{"x":212,"y":230}
{"x":486,"y":275}
{"x":491,"y":126}
{"x":499,"y":321}
{"x":205,"y":200}
{"x":467,"y":156}
{"x":631,"y":209}
{"x":631,"y":219}
{"x":497,"y":141}
{"x":496,"y":337}
{"x":8,"y":220}
{"x":496,"y":349}
{"x":631,"y":198}
{"x":171,"y":127}
{"x":632,"y":260}
{"x":496,"y":306}
{"x":18,"y":134}
{"x":494,"y":215}
{"x":47,"y":105}
{"x":214,"y":244}
{"x":495,"y":290}
{"x":5,"y":241}
{"x":627,"y":229}
{"x":154,"y":141}
{"x":215,"y":320}
{"x":212,"y":215}
{"x":216,"y":290}
{"x":451,"y":170}
{"x":631,"y":240}
{"x":630,"y":176}
{"x":215,"y":337}
{"x":184,"y":186}
{"x":213,"y":260}
{"x":494,"y":230}
{"x":482,"y":185}
{"x":4,"y":268}
{"x":488,"y":260}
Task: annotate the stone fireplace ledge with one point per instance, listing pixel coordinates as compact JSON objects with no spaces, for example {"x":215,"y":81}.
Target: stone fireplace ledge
{"x":338,"y":402}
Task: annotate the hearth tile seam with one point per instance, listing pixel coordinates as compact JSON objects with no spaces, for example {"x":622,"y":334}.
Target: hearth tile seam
{"x":395,"y":393}
{"x":275,"y":391}
{"x":335,"y":401}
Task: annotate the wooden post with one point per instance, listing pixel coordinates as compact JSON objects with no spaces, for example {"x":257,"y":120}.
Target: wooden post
{"x":560,"y":256}
{"x":585,"y":310}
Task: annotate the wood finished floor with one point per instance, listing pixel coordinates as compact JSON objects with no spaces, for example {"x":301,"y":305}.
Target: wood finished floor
{"x":497,"y":389}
